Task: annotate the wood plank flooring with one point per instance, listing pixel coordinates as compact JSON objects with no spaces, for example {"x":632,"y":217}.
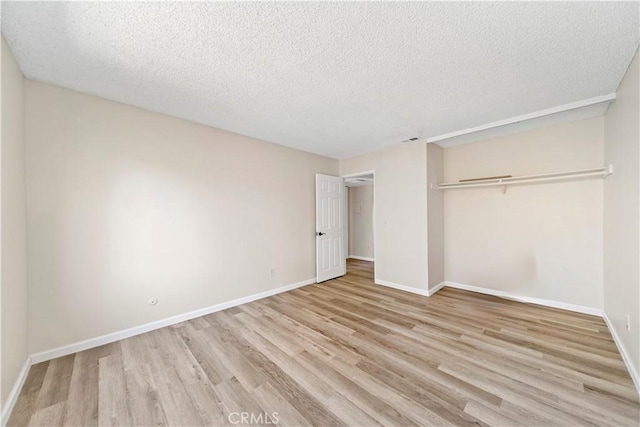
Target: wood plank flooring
{"x":346,"y":352}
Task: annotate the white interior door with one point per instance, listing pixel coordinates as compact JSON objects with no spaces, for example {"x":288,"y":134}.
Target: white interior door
{"x":330,"y":228}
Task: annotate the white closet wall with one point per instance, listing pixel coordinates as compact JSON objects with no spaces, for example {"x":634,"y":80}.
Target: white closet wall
{"x":541,"y":240}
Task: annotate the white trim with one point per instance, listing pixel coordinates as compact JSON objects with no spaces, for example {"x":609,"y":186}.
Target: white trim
{"x":411,"y":289}
{"x":15,"y":391}
{"x":405,"y":288}
{"x":436,"y":288}
{"x":528,"y":300}
{"x":623,"y":352}
{"x":529,"y":116}
{"x":352,"y":175}
{"x":361,"y":258}
{"x":137,"y":330}
{"x":345,"y":221}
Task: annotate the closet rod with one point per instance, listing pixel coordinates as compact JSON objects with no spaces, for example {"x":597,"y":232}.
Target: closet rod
{"x":602,"y":172}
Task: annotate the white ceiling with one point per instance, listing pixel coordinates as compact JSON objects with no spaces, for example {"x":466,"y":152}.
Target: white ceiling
{"x":337,"y":79}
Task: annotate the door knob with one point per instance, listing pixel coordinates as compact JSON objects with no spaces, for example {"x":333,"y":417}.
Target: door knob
{"x":320,"y":233}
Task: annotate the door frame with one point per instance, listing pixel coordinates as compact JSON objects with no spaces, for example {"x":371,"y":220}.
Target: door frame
{"x":373,"y":214}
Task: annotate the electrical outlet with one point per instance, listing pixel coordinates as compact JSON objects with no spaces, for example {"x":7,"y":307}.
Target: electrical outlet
{"x":628,"y":323}
{"x":272,"y":272}
{"x":152,"y":301}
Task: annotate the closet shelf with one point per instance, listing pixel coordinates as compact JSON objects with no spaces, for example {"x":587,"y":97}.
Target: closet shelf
{"x":602,"y":172}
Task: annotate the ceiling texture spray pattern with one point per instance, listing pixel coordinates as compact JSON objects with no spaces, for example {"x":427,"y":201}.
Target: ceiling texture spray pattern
{"x":337,"y":79}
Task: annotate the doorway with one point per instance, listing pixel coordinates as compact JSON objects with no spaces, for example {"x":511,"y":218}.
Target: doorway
{"x":360,"y":236}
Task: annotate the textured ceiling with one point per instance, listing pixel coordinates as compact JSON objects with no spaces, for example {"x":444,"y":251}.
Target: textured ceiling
{"x":336,"y":79}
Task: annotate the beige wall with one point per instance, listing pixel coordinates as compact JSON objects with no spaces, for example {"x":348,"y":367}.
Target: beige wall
{"x":13,"y":262}
{"x":361,"y":221}
{"x":622,"y":215}
{"x":125,"y":204}
{"x":543,"y":240}
{"x":435,"y":216}
{"x":400,"y":228}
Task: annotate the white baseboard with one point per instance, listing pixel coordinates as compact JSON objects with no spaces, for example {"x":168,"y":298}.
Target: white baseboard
{"x":361,"y":258}
{"x":127,"y":333}
{"x":417,"y":291}
{"x":623,"y":352}
{"x":436,"y":288}
{"x":7,"y":408}
{"x":529,"y":300}
{"x":405,"y":288}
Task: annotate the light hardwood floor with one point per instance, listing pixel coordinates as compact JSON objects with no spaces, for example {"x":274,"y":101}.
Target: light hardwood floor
{"x":347,"y":352}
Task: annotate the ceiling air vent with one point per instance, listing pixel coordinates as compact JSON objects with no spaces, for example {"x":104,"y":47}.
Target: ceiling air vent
{"x":415,"y":138}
